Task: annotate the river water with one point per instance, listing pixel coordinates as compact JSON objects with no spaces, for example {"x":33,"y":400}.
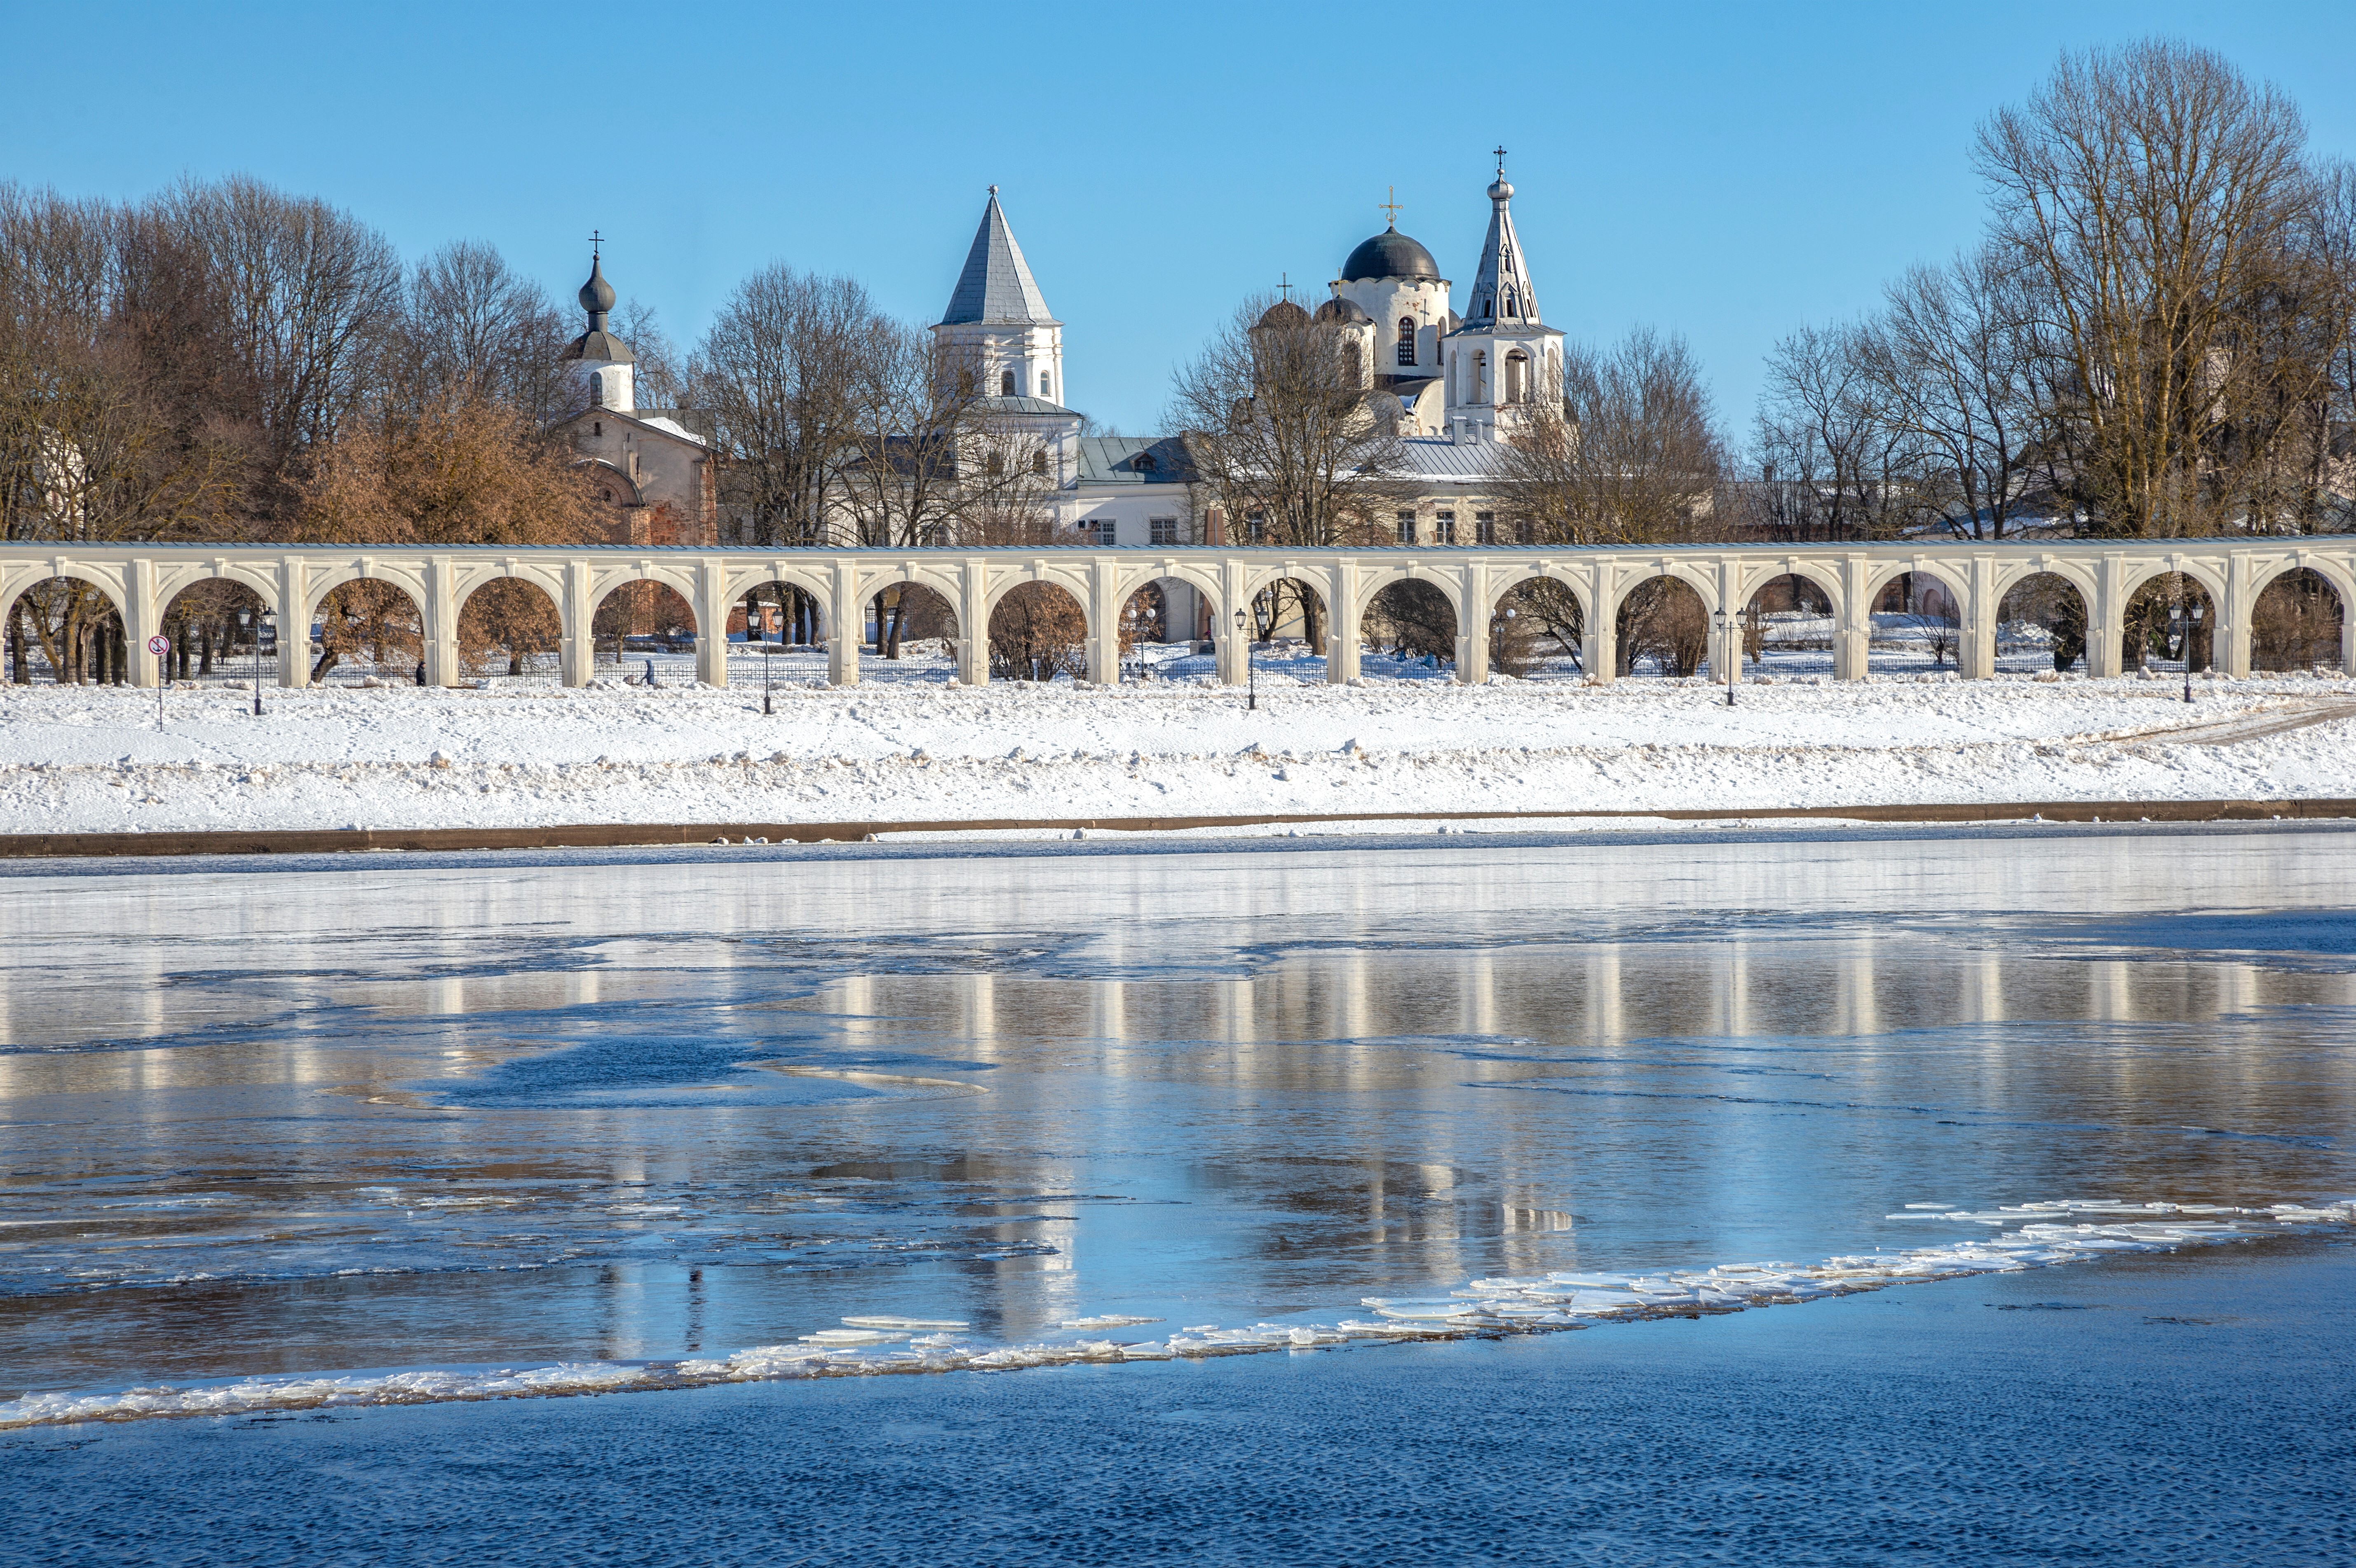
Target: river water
{"x":373,"y":1115}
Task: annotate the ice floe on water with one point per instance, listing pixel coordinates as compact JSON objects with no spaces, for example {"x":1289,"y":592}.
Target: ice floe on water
{"x":2027,"y":1235}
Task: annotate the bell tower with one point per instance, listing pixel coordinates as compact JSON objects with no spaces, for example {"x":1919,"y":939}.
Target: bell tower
{"x":1503,"y":360}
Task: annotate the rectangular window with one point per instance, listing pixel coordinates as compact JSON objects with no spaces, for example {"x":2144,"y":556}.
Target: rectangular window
{"x":1256,"y":528}
{"x":1525,"y":531}
{"x":1445,"y":533}
{"x":1165,"y":530}
{"x":1485,"y":528}
{"x":1407,"y":528}
{"x":1101,"y":532}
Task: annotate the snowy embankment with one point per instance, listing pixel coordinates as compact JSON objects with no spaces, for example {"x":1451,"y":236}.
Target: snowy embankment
{"x":94,"y":759}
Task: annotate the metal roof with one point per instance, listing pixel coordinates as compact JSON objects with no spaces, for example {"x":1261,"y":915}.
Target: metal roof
{"x":1022,"y":406}
{"x":996,"y":284}
{"x":1426,"y":458}
{"x":1114,"y":459}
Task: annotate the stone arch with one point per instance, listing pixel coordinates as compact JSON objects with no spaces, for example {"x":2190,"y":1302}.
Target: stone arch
{"x":1930,"y":622}
{"x":2299,"y":619}
{"x":505,"y":619}
{"x":792,"y":609}
{"x":63,"y":626}
{"x":1525,"y":613}
{"x":2150,"y":625}
{"x":1413,"y":617}
{"x":1168,"y":575}
{"x":641,"y":617}
{"x":1664,"y":618}
{"x":361,"y":617}
{"x":201,"y":617}
{"x":1801,"y":594}
{"x":614,"y":486}
{"x":173,"y":581}
{"x":1281,"y":603}
{"x":1003,"y":582}
{"x":2055,"y":603}
{"x":1382,"y":575}
{"x":2141,"y":571}
{"x":1038,"y":630}
{"x":881,"y":599}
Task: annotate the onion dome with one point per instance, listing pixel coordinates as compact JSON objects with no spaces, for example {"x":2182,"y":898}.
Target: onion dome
{"x":1391,"y":254}
{"x":1283,"y":313}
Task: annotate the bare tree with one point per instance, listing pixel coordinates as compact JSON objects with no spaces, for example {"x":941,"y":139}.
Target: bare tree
{"x":1836,"y":461}
{"x":778,"y":374}
{"x":471,"y":318}
{"x":2152,"y":192}
{"x":307,"y":295}
{"x":662,"y":375}
{"x":1633,"y":455}
{"x":1951,"y":363}
{"x":1283,"y":428}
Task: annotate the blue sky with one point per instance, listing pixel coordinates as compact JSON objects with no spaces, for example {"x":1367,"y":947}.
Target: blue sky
{"x":1723,"y":171}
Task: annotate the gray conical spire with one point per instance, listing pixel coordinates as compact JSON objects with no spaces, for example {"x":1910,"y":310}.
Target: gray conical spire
{"x":996,"y":284}
{"x":1502,"y":290}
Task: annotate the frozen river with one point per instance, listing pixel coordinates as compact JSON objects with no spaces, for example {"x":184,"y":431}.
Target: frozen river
{"x":390,"y":1113}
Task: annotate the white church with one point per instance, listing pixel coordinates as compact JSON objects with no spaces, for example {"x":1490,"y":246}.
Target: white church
{"x":1453,"y":385}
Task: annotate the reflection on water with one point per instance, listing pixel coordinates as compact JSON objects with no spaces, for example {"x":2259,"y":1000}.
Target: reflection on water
{"x":267,"y":1122}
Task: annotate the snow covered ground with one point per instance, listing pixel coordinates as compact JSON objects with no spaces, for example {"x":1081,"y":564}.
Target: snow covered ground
{"x":526,"y":752}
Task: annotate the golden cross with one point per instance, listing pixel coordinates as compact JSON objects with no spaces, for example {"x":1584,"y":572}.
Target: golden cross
{"x":1391,"y":207}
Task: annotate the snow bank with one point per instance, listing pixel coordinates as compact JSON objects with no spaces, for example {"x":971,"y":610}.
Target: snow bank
{"x":526,"y":754}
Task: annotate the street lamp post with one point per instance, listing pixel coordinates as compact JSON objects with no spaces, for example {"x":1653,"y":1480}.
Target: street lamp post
{"x":2185,"y":617}
{"x":1729,"y":624}
{"x":1251,"y":671}
{"x":251,"y":619}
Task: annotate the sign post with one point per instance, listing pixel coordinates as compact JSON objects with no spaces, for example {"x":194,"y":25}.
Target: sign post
{"x":159,"y":645}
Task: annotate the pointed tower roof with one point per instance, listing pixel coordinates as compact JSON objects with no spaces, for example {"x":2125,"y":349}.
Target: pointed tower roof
{"x":996,"y":284}
{"x":1502,"y":290}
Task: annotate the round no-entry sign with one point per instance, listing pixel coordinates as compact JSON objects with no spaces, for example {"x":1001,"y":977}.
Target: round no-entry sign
{"x":159,"y":645}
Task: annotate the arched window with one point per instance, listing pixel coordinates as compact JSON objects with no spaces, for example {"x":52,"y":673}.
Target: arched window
{"x":1006,"y":384}
{"x":1513,"y":304}
{"x":1517,"y":376}
{"x":1406,"y":340}
{"x":1480,"y":376}
{"x":1039,"y":461}
{"x":1352,"y":365}
{"x":965,"y":382}
{"x":1045,"y":390}
{"x":996,"y":462}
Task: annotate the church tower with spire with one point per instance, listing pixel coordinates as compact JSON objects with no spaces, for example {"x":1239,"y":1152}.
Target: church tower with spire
{"x":997,"y":327}
{"x":1502,"y":360}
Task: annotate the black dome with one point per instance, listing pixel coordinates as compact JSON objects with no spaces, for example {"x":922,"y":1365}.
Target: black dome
{"x":1389,"y":254}
{"x":1284,"y":313}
